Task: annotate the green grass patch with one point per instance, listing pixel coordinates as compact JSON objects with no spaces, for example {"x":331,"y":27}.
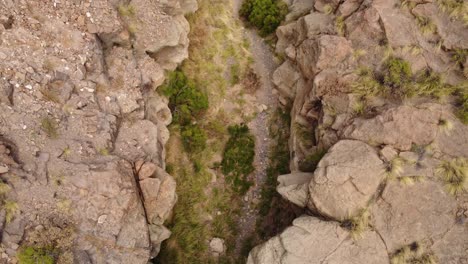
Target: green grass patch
{"x":265,"y":15}
{"x":194,"y":138}
{"x":238,"y":158}
{"x":36,"y":255}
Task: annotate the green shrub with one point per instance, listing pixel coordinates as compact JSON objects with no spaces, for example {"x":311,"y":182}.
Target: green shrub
{"x":186,"y":100}
{"x":36,"y":255}
{"x":238,"y":158}
{"x":397,"y":72}
{"x":266,"y":15}
{"x":194,"y":138}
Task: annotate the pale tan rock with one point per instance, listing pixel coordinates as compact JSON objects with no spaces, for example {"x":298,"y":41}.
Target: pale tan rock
{"x":294,"y":187}
{"x":345,"y":179}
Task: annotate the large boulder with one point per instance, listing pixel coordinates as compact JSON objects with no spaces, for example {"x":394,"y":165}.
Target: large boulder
{"x":345,"y":180}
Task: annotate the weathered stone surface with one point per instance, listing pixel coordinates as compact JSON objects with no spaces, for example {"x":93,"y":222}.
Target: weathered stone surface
{"x":285,"y":78}
{"x":429,"y":215}
{"x":298,"y":8}
{"x":345,"y":179}
{"x":405,"y":125}
{"x":137,"y":140}
{"x":310,"y":240}
{"x":294,"y":187}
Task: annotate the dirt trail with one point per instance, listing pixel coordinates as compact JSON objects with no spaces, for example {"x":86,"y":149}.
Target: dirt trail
{"x":264,"y":66}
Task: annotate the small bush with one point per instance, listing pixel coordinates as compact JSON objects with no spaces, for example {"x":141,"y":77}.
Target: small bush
{"x":266,"y":15}
{"x":454,"y":173}
{"x":194,"y":138}
{"x":36,"y":255}
{"x":238,"y":158}
{"x":186,"y":100}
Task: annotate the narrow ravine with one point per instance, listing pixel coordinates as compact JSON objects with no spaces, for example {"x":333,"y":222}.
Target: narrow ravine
{"x":264,"y":65}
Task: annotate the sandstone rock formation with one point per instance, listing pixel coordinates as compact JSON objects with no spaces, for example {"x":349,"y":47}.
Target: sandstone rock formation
{"x":380,"y":192}
{"x":82,"y":128}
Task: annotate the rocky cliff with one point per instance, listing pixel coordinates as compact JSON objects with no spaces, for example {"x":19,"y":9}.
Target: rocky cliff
{"x":391,"y":186}
{"x":82,"y":128}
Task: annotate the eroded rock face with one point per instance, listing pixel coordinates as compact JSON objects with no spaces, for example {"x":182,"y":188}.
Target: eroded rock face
{"x":80,"y":146}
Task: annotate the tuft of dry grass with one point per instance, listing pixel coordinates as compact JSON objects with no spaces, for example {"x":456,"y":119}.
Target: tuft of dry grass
{"x":358,"y":224}
{"x":454,"y":173}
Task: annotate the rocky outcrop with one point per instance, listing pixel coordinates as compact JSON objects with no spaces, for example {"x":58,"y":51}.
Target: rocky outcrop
{"x":82,"y":130}
{"x":381,"y":190}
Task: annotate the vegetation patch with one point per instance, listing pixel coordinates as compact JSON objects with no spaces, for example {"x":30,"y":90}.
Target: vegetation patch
{"x":194,"y":138}
{"x":265,"y":15}
{"x":34,"y":255}
{"x":396,"y":80}
{"x":455,"y":8}
{"x":48,"y":246}
{"x":186,"y":100}
{"x":454,"y":173}
{"x":238,"y":158}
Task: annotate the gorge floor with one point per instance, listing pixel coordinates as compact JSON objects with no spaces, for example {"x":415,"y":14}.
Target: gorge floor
{"x":264,"y":65}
